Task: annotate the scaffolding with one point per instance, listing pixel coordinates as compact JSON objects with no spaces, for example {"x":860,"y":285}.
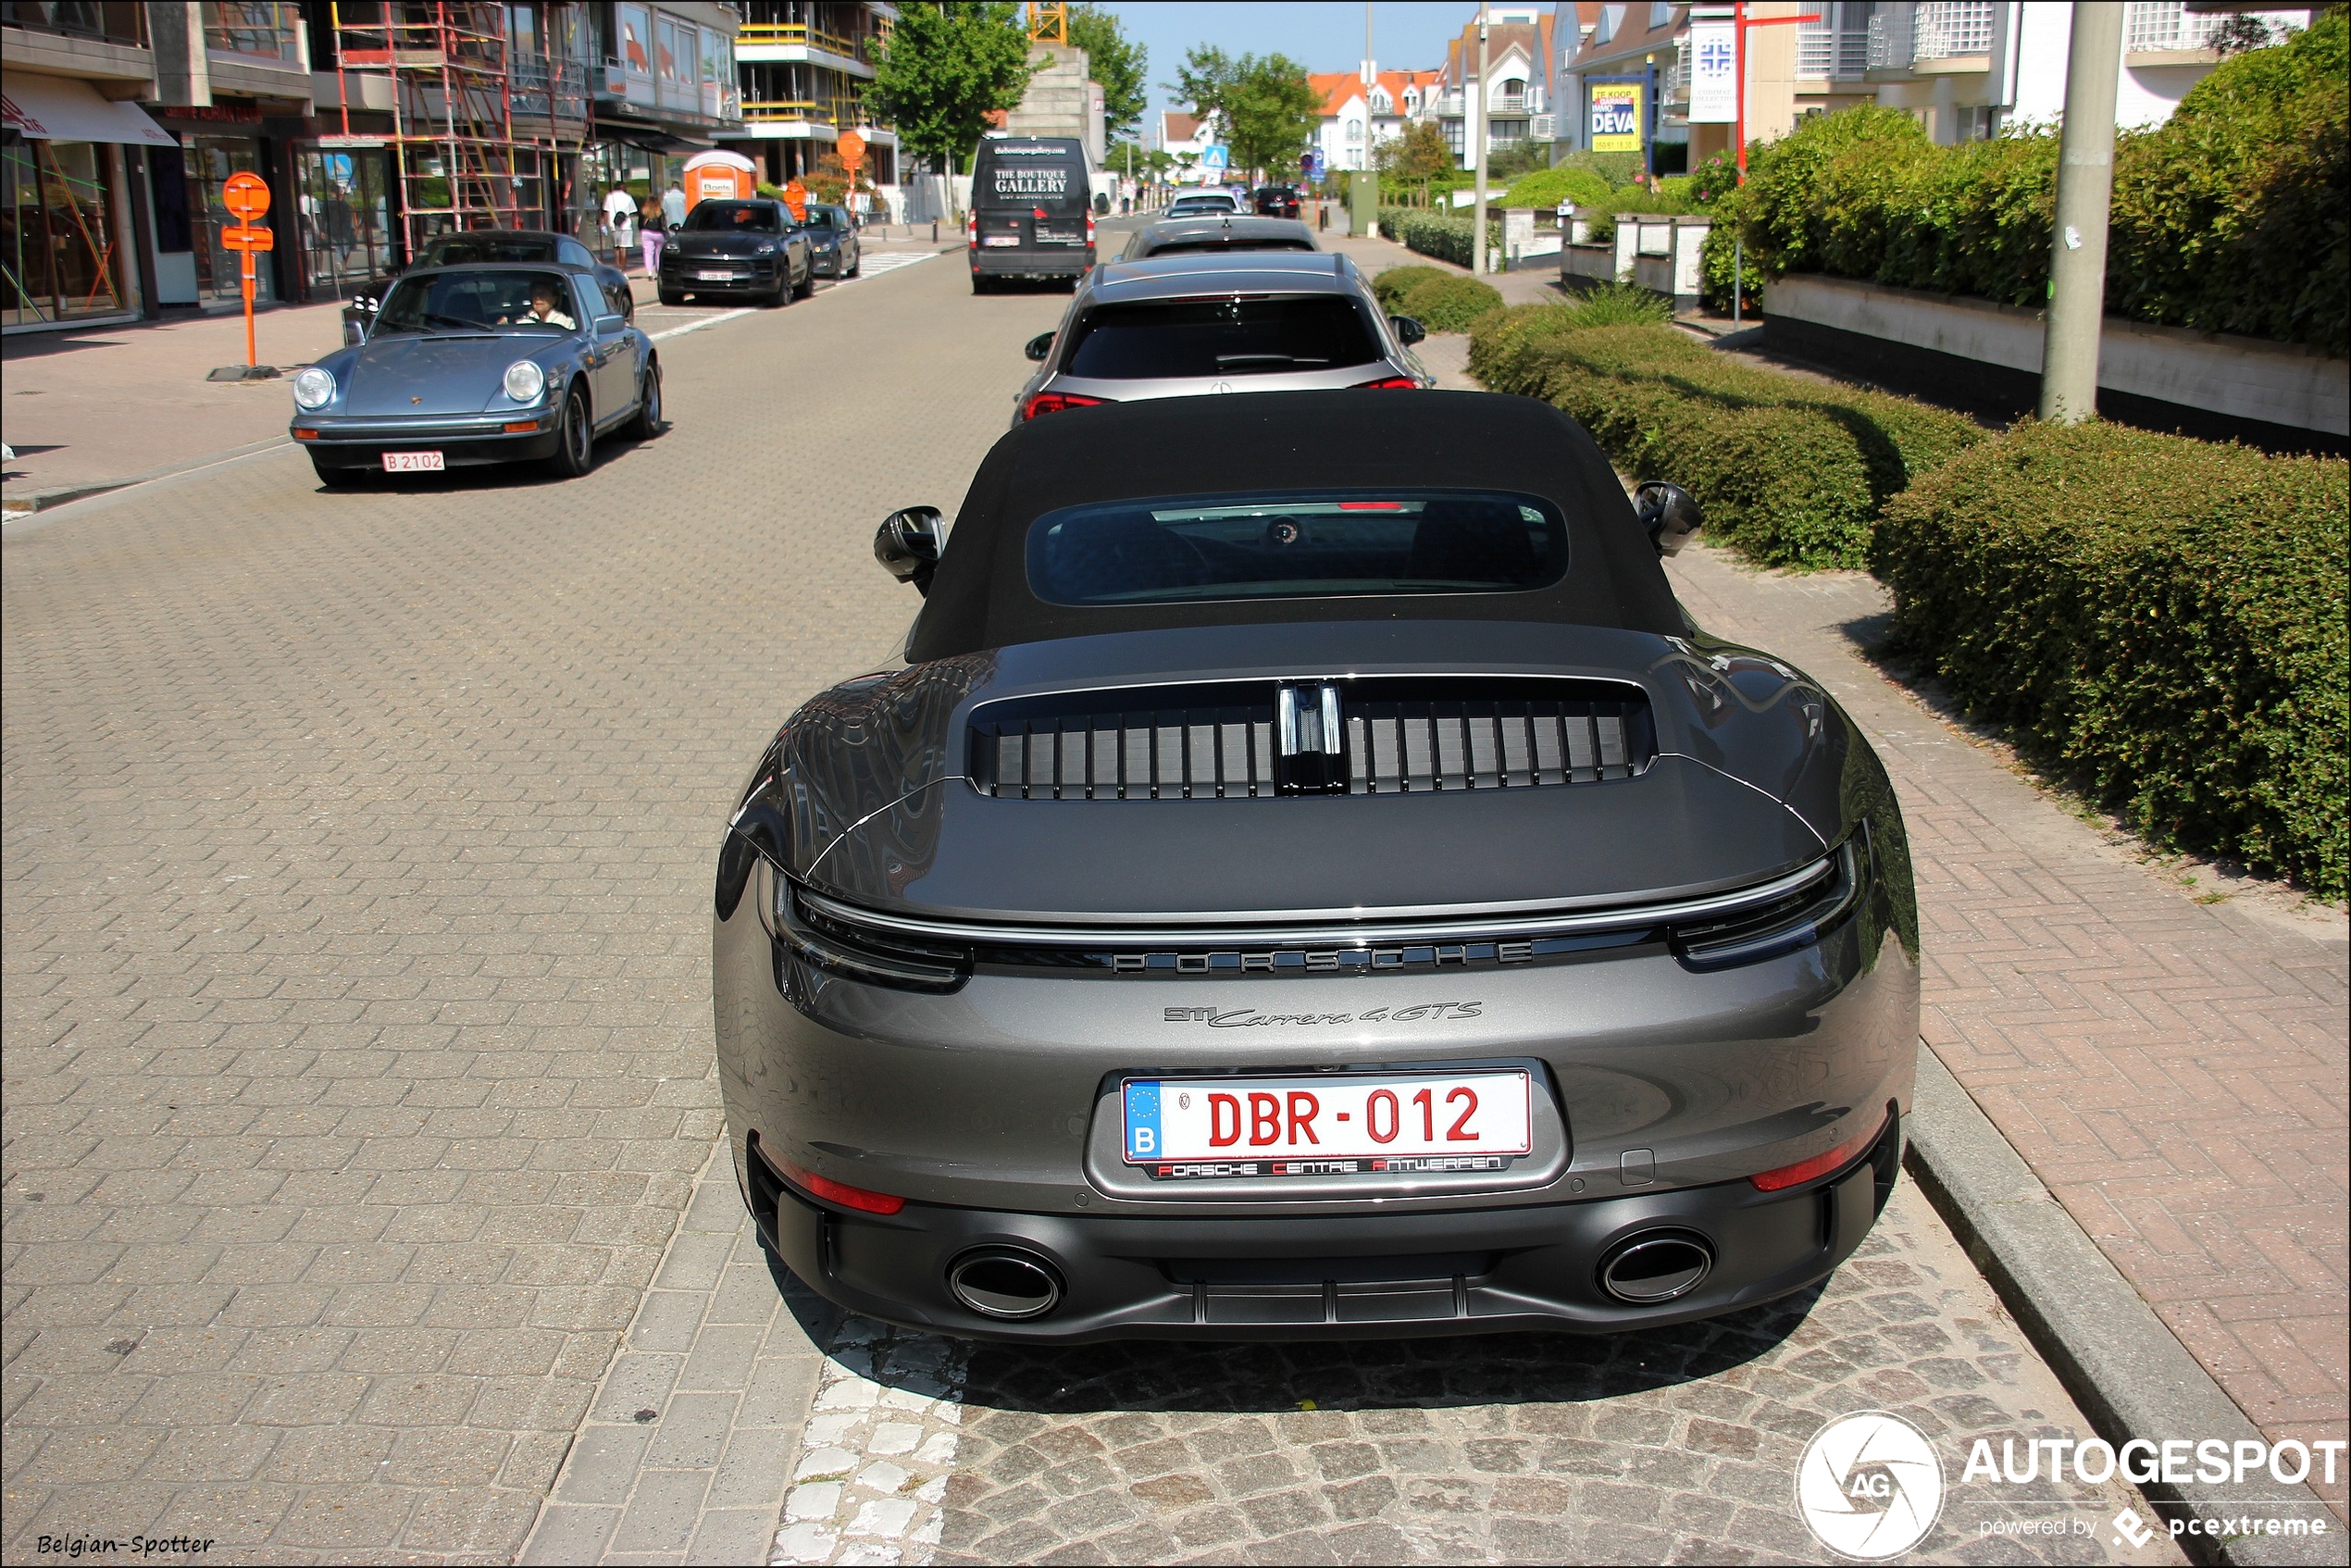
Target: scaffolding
{"x":487,"y":123}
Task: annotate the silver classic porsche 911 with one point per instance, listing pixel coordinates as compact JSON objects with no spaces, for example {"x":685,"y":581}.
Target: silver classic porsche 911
{"x":1355,"y":901}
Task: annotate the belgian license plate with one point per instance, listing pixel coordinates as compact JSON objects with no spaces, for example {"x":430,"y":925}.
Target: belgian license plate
{"x":1001,"y":240}
{"x":714,"y":277}
{"x":413,"y":463}
{"x":1337,"y":1125}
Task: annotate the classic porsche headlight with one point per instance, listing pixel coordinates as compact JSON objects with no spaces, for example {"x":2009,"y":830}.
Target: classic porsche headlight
{"x":525,"y":381}
{"x":313,"y":388}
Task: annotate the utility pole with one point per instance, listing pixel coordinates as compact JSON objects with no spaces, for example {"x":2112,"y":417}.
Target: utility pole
{"x":1477,"y":129}
{"x":2077,"y":248}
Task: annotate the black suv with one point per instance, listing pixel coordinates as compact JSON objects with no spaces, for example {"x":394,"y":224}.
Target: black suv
{"x":1277,"y":201}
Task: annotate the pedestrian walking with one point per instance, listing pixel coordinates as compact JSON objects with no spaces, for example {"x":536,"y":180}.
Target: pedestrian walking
{"x":650,"y":236}
{"x":620,"y":217}
{"x":673,"y":206}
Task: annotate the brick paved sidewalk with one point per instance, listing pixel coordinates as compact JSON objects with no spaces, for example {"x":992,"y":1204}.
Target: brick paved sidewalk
{"x":2174,"y":1071}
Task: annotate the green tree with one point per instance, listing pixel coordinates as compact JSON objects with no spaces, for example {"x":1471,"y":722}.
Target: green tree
{"x":1265,"y":104}
{"x":1117,"y":65}
{"x":945,"y":69}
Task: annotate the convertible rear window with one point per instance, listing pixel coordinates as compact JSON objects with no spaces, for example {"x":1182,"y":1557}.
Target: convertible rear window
{"x":1307,"y":544}
{"x":1266,"y":335}
{"x":733,"y":217}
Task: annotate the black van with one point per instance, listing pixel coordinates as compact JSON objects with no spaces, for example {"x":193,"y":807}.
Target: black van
{"x":1032,"y":215}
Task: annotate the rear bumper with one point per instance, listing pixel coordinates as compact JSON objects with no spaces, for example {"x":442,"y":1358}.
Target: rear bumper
{"x":1071,"y":261}
{"x":1335,"y":1276}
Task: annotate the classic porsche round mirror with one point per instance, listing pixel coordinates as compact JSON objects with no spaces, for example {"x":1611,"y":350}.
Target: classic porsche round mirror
{"x":908,"y":543}
{"x":1038,"y":347}
{"x":1670,"y":513}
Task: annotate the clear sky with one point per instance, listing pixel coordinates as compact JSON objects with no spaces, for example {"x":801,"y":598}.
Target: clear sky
{"x":1318,"y":34}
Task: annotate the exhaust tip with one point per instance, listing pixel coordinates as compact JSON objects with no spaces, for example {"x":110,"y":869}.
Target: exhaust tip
{"x":1656,"y":1266}
{"x":1004,"y":1282}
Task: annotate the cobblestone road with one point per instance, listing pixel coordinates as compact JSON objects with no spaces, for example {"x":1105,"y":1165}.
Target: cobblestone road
{"x":357,"y":1072}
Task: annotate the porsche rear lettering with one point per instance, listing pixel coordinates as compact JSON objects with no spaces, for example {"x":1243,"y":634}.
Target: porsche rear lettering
{"x":1340,"y":962}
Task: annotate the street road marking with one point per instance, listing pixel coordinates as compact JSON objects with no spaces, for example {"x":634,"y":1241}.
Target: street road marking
{"x":890,"y":261}
{"x":698,"y":326}
{"x":877,"y":1451}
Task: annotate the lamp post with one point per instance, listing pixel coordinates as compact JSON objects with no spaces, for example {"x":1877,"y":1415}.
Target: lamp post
{"x":2077,"y":247}
{"x":1477,"y":129}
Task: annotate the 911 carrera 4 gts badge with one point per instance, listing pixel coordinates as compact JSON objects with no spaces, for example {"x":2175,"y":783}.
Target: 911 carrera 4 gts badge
{"x":1250,"y":1017}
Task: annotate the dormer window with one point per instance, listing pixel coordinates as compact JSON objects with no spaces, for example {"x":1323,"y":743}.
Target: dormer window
{"x":1381,"y":104}
{"x":1612,"y":18}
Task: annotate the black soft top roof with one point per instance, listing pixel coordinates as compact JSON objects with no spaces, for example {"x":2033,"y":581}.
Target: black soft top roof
{"x":1263,"y":441}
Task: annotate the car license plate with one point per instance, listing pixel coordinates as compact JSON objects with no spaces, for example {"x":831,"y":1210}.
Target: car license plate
{"x":714,"y":277}
{"x":1334,"y":1124}
{"x":413,"y":463}
{"x":1001,"y":240}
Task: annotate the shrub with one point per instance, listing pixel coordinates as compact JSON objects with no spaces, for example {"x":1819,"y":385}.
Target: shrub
{"x":1622,"y":304}
{"x":2157,"y":618}
{"x":2233,"y":216}
{"x":1438,"y":234}
{"x":1547,"y":188}
{"x":1792,"y":471}
{"x":1390,"y":287}
{"x":1449,"y":302}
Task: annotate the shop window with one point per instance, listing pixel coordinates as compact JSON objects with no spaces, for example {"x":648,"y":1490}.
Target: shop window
{"x":59,"y":257}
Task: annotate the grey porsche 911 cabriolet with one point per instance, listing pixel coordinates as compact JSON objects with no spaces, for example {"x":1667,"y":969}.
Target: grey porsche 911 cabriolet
{"x":1353,"y":902}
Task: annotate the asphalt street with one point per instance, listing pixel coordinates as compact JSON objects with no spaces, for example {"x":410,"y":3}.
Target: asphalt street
{"x":358,"y":1072}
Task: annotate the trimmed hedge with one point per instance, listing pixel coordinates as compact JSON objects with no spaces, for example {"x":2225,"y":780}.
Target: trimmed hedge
{"x":1448,"y":303}
{"x":2158,"y":617}
{"x":2233,"y":215}
{"x":1390,"y":287}
{"x":1791,"y":471}
{"x":1432,"y":233}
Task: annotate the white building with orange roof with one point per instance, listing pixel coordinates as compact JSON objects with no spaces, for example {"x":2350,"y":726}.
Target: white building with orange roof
{"x":1365,"y":106}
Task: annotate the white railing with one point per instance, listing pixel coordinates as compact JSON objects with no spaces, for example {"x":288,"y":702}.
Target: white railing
{"x":2147,"y":29}
{"x":1836,"y":45}
{"x":1946,"y":32}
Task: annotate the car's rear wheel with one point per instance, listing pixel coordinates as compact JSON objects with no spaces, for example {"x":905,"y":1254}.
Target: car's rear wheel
{"x":856,"y":267}
{"x":575,"y":450}
{"x":337,"y":476}
{"x":647,"y":424}
{"x":807,"y":284}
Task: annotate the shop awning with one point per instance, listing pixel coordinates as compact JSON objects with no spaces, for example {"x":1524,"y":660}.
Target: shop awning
{"x":646,"y":137}
{"x":56,"y":108}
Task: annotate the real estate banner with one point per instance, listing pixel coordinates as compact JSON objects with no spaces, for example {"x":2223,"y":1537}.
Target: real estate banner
{"x":1616,"y":117}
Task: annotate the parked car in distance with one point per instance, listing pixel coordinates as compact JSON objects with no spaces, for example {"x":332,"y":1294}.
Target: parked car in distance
{"x":1277,"y":201}
{"x":500,"y":363}
{"x":1217,"y":235}
{"x":751,"y":248}
{"x":1204,"y":203}
{"x":1031,"y":214}
{"x":1333,"y":894}
{"x":483,"y":245}
{"x":1187,"y":325}
{"x":834,"y":248}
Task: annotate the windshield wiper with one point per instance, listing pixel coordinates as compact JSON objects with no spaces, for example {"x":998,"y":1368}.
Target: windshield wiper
{"x":1225,"y":359}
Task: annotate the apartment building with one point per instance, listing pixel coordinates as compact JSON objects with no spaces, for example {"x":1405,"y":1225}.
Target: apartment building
{"x":1365,"y":106}
{"x":1520,"y":87}
{"x":803,"y":65}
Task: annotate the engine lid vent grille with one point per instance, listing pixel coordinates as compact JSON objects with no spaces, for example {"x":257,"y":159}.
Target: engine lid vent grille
{"x":1394,"y":736}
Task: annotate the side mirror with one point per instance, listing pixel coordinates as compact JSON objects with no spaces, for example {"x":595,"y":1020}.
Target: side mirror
{"x":908,"y":543}
{"x":608,"y":324}
{"x":1038,"y":347}
{"x":1407,"y":332}
{"x":1669,"y":513}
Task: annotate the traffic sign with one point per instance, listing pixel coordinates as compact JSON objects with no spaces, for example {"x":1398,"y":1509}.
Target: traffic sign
{"x":1215,"y":157}
{"x":245,"y":237}
{"x":852,"y":148}
{"x":247,"y":195}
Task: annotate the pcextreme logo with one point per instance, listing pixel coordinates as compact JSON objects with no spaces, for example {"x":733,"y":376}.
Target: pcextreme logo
{"x":1868,"y":1486}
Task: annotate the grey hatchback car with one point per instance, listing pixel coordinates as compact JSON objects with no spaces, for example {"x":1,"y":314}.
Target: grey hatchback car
{"x":1203,"y":322}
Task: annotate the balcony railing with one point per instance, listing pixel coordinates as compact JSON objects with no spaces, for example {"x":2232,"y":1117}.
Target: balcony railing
{"x":2150,"y":29}
{"x":803,"y":36}
{"x":1825,"y":51}
{"x":1950,"y":32}
{"x":803,"y":111}
{"x":116,"y":23}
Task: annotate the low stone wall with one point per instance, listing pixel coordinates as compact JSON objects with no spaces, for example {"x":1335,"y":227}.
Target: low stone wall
{"x":1987,"y":356}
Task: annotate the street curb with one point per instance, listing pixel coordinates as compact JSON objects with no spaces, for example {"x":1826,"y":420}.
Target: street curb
{"x":2129,"y":1373}
{"x":50,"y":500}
